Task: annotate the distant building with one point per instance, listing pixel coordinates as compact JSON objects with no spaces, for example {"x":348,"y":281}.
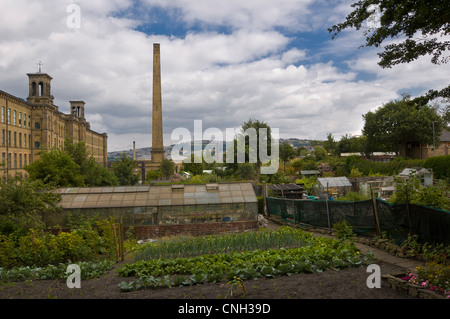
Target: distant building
{"x":375,"y":157}
{"x":29,"y":126}
{"x":310,"y":173}
{"x":424,"y":151}
{"x":425,"y":175}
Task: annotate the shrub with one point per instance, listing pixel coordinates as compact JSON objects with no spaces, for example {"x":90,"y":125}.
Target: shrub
{"x":24,"y":204}
{"x":39,"y":248}
{"x":343,"y":230}
{"x":440,"y":166}
{"x":279,"y":178}
{"x":353,"y":197}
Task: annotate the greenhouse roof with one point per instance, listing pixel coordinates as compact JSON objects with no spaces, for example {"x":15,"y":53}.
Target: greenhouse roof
{"x":334,"y":182}
{"x":156,"y":195}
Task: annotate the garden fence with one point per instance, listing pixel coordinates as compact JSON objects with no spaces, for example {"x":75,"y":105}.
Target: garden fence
{"x":367,"y":217}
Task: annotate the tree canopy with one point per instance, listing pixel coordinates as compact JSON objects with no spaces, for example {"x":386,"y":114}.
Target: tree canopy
{"x":394,"y":124}
{"x":167,"y":168}
{"x":23,"y":204}
{"x":421,"y":26}
{"x":256,"y":125}
{"x":287,"y":153}
{"x":70,"y":167}
{"x":123,"y":169}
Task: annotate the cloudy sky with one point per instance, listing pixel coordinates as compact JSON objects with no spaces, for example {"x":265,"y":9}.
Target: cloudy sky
{"x":222,"y":62}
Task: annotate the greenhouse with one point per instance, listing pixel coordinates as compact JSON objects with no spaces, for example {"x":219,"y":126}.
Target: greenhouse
{"x":334,"y":186}
{"x":161,"y":205}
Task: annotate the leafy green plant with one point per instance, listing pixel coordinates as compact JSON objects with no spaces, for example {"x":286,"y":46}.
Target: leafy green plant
{"x":181,"y":281}
{"x":343,"y":230}
{"x":236,"y":284}
{"x":198,"y":278}
{"x":321,"y":254}
{"x":189,"y":246}
{"x":308,"y":183}
{"x":39,"y":248}
{"x":412,"y":191}
{"x":88,"y":270}
{"x":432,"y":252}
{"x":23,"y":204}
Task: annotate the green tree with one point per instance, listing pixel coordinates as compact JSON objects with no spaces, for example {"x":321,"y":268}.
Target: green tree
{"x":309,"y":164}
{"x":167,"y":168}
{"x":246,"y":170}
{"x":93,"y":173}
{"x":24,"y":204}
{"x":286,"y":154}
{"x":301,"y":150}
{"x":153,"y":175}
{"x":71,"y":167}
{"x":297,"y":165}
{"x":330,"y":145}
{"x":319,"y":153}
{"x":257,"y":125}
{"x":422,"y":24}
{"x":56,"y":168}
{"x":394,"y":124}
{"x":194,"y":165}
{"x":124,"y":170}
{"x":279,"y":178}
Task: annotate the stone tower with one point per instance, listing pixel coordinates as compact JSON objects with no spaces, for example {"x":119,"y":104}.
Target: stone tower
{"x":39,"y":89}
{"x":157,"y":152}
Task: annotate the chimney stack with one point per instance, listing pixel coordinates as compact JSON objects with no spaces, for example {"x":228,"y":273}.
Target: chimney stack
{"x":157,"y":130}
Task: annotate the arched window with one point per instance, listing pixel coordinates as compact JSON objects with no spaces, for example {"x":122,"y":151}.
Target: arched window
{"x":33,"y":89}
{"x":41,"y":89}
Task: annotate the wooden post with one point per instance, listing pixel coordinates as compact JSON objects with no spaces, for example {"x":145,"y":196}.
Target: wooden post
{"x":264,"y":191}
{"x":375,"y":214}
{"x":409,"y":212}
{"x":328,"y":213}
{"x":116,"y":246}
{"x":121,"y":242}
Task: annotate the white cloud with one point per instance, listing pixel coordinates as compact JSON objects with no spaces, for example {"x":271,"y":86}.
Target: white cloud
{"x":250,"y":15}
{"x":252,"y":71}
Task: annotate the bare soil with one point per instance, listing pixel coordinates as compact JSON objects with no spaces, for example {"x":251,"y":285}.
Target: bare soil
{"x":349,"y":283}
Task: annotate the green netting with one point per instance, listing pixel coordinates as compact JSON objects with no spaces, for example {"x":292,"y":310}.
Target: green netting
{"x":431,"y":225}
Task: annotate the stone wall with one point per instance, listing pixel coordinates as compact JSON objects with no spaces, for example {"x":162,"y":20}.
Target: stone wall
{"x":416,"y":291}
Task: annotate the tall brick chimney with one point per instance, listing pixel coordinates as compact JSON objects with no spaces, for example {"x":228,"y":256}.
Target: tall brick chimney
{"x":157,"y":152}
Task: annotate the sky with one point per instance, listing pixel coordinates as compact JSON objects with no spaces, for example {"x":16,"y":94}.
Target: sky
{"x":222,"y":62}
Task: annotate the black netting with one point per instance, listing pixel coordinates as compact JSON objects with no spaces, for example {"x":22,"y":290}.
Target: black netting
{"x":431,"y":225}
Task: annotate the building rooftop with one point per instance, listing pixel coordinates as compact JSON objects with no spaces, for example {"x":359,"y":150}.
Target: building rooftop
{"x":334,"y":182}
{"x":445,"y":136}
{"x":156,"y":195}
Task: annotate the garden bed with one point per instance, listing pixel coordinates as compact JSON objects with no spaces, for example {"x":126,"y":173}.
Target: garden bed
{"x":398,"y":283}
{"x":348,"y":283}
